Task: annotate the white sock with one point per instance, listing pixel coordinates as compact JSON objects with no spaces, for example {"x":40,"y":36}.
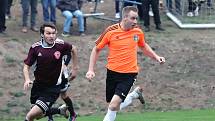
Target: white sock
{"x":110,"y":116}
{"x":26,"y":119}
{"x":128,"y":99}
{"x":134,"y":94}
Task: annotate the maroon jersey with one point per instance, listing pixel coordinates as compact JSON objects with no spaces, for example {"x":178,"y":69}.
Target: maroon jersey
{"x":48,"y":61}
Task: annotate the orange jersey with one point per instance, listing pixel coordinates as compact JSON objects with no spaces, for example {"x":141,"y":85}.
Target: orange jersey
{"x":123,"y":46}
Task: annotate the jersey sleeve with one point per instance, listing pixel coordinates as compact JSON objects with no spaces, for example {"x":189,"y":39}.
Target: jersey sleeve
{"x":67,"y":48}
{"x":102,"y":40}
{"x":141,"y":41}
{"x":31,"y":58}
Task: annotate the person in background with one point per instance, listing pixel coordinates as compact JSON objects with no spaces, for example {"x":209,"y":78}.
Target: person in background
{"x":3,"y":4}
{"x":146,"y":18}
{"x":26,"y":4}
{"x":70,"y":8}
{"x":177,"y":6}
{"x":139,"y":6}
{"x":123,"y":40}
{"x":209,"y":4}
{"x":49,"y":16}
{"x":8,"y":13}
{"x":117,"y":9}
{"x":194,"y":7}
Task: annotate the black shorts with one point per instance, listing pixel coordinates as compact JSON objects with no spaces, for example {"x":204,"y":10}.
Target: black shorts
{"x":44,"y":96}
{"x":119,"y":84}
{"x":64,"y":84}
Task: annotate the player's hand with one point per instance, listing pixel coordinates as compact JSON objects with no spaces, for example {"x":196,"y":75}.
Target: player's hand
{"x":161,"y":60}
{"x":90,"y":75}
{"x":27,"y":84}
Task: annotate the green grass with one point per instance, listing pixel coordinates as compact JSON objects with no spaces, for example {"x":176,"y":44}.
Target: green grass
{"x":187,"y":115}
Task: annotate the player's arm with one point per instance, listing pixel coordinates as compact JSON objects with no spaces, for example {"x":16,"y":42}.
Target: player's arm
{"x":28,"y":81}
{"x":100,"y":43}
{"x":93,"y":58}
{"x":147,"y":50}
{"x":74,"y":62}
{"x":67,"y":60}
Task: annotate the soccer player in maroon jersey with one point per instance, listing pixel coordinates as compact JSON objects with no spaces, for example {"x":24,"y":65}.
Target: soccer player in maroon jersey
{"x":46,"y":55}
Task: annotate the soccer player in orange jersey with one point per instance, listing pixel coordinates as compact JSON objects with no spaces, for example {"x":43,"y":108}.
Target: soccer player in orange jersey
{"x":123,"y":40}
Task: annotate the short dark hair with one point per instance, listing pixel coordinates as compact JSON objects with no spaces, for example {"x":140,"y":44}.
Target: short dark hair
{"x":127,"y":9}
{"x":47,"y":24}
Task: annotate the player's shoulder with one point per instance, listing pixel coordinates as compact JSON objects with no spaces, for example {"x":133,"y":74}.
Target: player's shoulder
{"x":113,"y":27}
{"x":59,"y":41}
{"x":36,"y":44}
{"x":138,"y":29}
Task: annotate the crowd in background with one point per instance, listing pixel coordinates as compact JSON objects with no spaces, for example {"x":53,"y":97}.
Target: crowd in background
{"x":193,"y":6}
{"x":68,"y":8}
{"x":72,"y":8}
{"x":143,"y":12}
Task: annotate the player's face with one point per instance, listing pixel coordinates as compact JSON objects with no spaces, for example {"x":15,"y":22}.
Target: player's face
{"x":49,"y":35}
{"x":131,"y":20}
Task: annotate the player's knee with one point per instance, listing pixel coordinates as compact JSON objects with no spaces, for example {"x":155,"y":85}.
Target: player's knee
{"x":113,"y":106}
{"x":29,"y":117}
{"x":35,"y":113}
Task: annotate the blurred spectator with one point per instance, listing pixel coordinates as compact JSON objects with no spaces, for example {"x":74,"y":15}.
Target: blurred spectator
{"x":209,"y":4}
{"x":177,"y":6}
{"x":9,"y":4}
{"x":155,"y":9}
{"x":3,"y":4}
{"x":101,"y":1}
{"x":194,"y":7}
{"x":26,"y":4}
{"x":117,"y":9}
{"x":70,"y":8}
{"x":191,"y":8}
{"x":140,"y":7}
{"x":46,"y":16}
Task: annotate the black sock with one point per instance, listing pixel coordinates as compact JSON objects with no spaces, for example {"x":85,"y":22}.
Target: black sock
{"x":50,"y":117}
{"x":68,"y":102}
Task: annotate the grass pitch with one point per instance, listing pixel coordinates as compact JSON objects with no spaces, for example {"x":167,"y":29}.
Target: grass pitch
{"x":182,"y":115}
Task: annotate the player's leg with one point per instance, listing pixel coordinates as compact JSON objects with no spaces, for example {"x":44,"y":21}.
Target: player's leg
{"x":119,"y":84}
{"x":34,"y":113}
{"x":46,"y":98}
{"x":110,"y":91}
{"x":113,"y":108}
{"x":50,"y":118}
{"x":69,"y":103}
{"x":36,"y":110}
{"x":135,"y":94}
{"x":64,"y":87}
{"x":62,"y":110}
